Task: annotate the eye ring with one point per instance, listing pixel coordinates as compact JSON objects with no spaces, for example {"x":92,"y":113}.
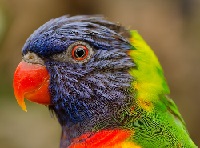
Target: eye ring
{"x":70,"y":54}
{"x":79,"y":52}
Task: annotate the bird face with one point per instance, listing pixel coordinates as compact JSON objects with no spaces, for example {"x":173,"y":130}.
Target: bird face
{"x":78,"y":66}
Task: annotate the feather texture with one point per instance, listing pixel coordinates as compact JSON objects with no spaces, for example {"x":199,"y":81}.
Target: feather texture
{"x":117,"y":97}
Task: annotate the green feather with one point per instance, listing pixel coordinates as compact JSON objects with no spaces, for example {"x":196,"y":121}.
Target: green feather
{"x":156,"y":120}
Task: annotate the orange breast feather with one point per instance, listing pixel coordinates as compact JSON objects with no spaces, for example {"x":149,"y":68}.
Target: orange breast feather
{"x":105,"y":139}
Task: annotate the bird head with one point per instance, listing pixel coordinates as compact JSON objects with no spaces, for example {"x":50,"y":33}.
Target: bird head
{"x":78,"y":66}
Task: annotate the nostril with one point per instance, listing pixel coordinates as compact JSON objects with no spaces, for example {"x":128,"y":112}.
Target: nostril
{"x":33,"y":58}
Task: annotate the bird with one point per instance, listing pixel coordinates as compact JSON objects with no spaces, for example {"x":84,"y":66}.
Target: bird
{"x":104,"y":84}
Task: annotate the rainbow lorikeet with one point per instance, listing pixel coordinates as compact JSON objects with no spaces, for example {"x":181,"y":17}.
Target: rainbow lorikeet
{"x":103,"y":82}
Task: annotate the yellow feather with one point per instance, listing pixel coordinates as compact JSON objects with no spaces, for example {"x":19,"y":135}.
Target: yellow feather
{"x":149,"y":79}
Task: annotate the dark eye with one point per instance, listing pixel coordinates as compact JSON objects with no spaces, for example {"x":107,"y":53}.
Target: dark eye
{"x":79,"y":52}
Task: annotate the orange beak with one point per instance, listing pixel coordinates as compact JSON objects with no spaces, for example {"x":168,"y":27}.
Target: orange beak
{"x":31,"y":81}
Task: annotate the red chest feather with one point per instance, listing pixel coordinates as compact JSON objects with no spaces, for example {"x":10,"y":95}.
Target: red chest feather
{"x":101,"y":139}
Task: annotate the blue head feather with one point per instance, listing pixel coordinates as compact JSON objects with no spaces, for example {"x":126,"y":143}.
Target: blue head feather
{"x":91,"y":94}
{"x":57,"y":34}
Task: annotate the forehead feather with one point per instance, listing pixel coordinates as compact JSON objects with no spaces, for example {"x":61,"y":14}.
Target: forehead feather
{"x":56,"y":35}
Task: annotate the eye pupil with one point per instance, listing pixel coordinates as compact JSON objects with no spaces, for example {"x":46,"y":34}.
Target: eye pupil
{"x":79,"y":52}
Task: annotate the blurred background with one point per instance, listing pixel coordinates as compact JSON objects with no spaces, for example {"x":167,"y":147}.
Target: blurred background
{"x":171,"y":28}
